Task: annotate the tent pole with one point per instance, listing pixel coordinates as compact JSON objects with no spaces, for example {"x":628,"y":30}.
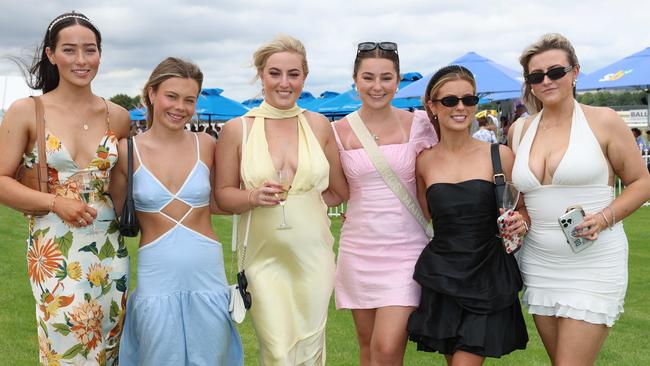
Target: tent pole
{"x":647,"y":99}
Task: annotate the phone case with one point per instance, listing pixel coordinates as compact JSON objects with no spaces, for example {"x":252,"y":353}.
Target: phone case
{"x":572,"y":218}
{"x":511,"y":243}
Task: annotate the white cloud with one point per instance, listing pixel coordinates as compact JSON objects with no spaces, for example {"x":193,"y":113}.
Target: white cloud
{"x":220,"y":36}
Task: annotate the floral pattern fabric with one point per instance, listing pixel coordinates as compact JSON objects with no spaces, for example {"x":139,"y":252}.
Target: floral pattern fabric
{"x":79,"y":276}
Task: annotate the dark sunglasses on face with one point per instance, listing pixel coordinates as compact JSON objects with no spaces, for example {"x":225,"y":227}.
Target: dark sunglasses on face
{"x":452,"y":100}
{"x":555,"y":73}
{"x":242,"y":285}
{"x":369,"y":46}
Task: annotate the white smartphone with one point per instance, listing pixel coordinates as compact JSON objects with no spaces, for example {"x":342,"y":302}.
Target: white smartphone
{"x":573,"y":217}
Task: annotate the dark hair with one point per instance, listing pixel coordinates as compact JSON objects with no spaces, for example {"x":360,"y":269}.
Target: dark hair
{"x":376,"y":53}
{"x":440,"y":78}
{"x":636,"y":132}
{"x":42,"y":75}
{"x":171,"y":67}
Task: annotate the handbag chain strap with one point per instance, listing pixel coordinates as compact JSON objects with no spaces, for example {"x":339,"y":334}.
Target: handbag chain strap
{"x":392,"y":180}
{"x":241,"y":254}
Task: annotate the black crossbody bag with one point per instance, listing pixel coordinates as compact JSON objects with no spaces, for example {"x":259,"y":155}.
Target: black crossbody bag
{"x":129,"y":225}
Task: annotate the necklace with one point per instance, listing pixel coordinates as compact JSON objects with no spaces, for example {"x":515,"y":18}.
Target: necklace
{"x":375,"y":135}
{"x":84,"y":122}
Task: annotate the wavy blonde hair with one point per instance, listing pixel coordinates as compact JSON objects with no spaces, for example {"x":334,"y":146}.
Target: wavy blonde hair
{"x":281,"y":43}
{"x":550,"y":41}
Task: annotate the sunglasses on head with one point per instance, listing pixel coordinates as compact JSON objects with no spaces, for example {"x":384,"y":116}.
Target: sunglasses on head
{"x":555,"y":73}
{"x":452,"y":100}
{"x":242,"y":285}
{"x":369,"y":46}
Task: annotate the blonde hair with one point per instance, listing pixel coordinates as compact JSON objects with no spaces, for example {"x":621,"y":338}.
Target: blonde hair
{"x":281,"y":43}
{"x":549,"y":41}
{"x":171,"y":67}
{"x":440,"y":78}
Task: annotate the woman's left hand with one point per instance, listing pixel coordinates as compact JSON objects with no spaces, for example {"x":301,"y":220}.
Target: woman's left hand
{"x":514,"y":224}
{"x":595,"y":223}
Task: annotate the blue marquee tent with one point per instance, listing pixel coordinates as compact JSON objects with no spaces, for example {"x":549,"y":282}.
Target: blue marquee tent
{"x":630,"y":72}
{"x":490,"y":76}
{"x":314,"y":103}
{"x":212,"y":106}
{"x":349,"y":101}
{"x":306,"y":100}
{"x":138,"y":114}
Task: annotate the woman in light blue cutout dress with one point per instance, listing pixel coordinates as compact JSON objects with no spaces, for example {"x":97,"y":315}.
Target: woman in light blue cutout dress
{"x":178,"y":314}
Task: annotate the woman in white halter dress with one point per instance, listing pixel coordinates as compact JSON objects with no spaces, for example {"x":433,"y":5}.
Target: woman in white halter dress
{"x":569,"y":155}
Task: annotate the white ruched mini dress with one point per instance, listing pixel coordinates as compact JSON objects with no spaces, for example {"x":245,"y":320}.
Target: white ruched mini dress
{"x":589,"y":285}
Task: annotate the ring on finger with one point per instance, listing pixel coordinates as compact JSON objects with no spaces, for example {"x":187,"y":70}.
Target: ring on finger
{"x":81,"y":221}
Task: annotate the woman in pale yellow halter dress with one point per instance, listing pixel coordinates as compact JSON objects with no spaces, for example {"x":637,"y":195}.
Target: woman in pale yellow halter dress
{"x":290,"y":271}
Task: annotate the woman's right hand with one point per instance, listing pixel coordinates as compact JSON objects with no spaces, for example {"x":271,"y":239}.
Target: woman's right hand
{"x":266,"y":195}
{"x":74,"y":212}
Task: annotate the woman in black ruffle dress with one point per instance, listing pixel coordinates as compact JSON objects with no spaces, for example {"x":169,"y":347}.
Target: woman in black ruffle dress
{"x":469,"y":307}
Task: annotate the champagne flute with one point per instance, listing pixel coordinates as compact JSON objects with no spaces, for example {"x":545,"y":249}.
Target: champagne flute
{"x":283,"y":178}
{"x":89,"y":187}
{"x":510,"y":197}
{"x":509,"y":201}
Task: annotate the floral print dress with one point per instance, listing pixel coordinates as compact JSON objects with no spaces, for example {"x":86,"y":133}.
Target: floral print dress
{"x":78,"y":275}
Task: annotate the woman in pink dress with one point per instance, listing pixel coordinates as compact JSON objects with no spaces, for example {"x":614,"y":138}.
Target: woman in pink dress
{"x":380,"y":239}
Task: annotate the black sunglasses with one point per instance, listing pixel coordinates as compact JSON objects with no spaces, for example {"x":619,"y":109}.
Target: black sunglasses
{"x":242,"y":285}
{"x":369,"y":46}
{"x":555,"y":73}
{"x":452,"y":100}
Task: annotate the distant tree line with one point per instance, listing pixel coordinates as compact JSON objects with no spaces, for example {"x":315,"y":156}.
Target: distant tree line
{"x":603,"y":98}
{"x":126,"y":101}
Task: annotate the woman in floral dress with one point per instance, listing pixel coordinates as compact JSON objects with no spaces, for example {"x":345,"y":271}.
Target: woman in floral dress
{"x":76,"y":260}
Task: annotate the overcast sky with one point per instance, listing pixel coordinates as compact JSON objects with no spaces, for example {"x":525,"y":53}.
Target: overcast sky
{"x":221,"y":36}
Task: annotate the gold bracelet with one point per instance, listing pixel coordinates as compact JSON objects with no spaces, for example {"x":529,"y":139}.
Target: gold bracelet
{"x":611,"y":226}
{"x":52,"y":203}
{"x":250,"y":195}
{"x":526,"y":226}
{"x":606,"y":221}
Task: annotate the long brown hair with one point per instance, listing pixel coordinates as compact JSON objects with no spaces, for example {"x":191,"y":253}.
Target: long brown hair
{"x":42,"y":74}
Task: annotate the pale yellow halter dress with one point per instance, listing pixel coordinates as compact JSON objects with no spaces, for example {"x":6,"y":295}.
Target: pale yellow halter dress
{"x":290,"y":272}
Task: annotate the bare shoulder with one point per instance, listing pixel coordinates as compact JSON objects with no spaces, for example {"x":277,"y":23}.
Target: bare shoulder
{"x":20,"y":110}
{"x":120,"y":120}
{"x":605,"y":123}
{"x":231,"y":134}
{"x":231,"y":127}
{"x":206,"y":140}
{"x":317,"y":120}
{"x":404,"y":116}
{"x":506,"y":152}
{"x":117,"y":110}
{"x":602,"y":116}
{"x":318,"y":123}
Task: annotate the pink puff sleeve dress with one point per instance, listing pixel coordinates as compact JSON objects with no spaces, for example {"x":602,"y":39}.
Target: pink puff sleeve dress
{"x":380,"y":239}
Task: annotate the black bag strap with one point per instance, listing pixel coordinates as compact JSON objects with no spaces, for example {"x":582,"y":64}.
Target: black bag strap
{"x":499,"y":178}
{"x":129,"y":176}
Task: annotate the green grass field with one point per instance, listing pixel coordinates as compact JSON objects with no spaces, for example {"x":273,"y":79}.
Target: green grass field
{"x":628,"y":342}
